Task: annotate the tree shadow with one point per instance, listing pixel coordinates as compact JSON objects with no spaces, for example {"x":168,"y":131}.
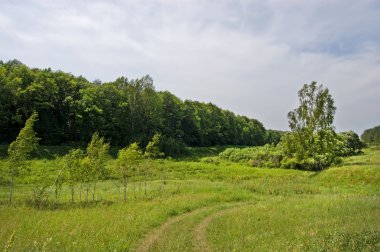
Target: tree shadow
{"x":48,"y":205}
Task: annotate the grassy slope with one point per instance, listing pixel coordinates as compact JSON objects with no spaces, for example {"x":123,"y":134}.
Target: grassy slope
{"x":301,"y":223}
{"x":293,"y":210}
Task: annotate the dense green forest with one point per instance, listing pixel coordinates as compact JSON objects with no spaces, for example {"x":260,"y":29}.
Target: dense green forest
{"x":71,"y":109}
{"x":371,"y":136}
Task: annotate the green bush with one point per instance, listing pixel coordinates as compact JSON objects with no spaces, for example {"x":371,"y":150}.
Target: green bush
{"x":262,"y":156}
{"x":237,"y":155}
{"x":267,"y":156}
{"x":276,"y":156}
{"x":350,"y":144}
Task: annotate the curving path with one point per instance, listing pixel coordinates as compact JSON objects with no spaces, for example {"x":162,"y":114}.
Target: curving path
{"x":200,"y":242}
{"x":200,"y":232}
{"x":154,"y":235}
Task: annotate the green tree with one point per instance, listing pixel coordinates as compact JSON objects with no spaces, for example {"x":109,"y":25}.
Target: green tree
{"x":97,"y":150}
{"x":72,"y":169}
{"x":71,"y":108}
{"x":58,"y":183}
{"x":128,"y":160}
{"x":371,"y":136}
{"x":313,"y":137}
{"x":86,"y":175}
{"x":351,"y":144}
{"x":152,"y":150}
{"x":273,"y":136}
{"x":19,"y":151}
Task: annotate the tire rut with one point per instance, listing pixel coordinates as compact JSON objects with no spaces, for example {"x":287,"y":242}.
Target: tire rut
{"x":154,"y":235}
{"x":200,"y":243}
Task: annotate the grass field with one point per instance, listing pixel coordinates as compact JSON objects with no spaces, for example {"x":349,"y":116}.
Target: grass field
{"x":195,"y":205}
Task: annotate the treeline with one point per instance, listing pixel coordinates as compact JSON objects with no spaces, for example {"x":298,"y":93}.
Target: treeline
{"x":371,"y":136}
{"x":71,"y":109}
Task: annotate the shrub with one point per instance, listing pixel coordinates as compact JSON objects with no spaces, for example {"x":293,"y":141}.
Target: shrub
{"x":263,"y":156}
{"x":277,"y":156}
{"x":350,"y":144}
{"x":267,"y":156}
{"x":237,"y":155}
{"x":39,"y":197}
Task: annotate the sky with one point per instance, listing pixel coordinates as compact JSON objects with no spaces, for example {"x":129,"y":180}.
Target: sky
{"x":250,"y":57}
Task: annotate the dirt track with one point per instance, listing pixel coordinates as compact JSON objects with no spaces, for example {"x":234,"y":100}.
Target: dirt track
{"x":200,"y":242}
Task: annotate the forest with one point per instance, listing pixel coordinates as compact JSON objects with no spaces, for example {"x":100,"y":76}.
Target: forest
{"x":71,"y":109}
{"x":371,"y":136}
{"x":119,"y":166}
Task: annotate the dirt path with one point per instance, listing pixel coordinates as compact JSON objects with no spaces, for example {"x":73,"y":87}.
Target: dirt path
{"x":200,"y":236}
{"x":154,"y":235}
{"x":200,"y":232}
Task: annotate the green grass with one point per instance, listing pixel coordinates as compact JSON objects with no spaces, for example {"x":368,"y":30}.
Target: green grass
{"x":106,"y":227}
{"x":300,"y":223}
{"x":333,"y":210}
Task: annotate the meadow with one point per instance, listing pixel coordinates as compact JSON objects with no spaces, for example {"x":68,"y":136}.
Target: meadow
{"x":197,"y":202}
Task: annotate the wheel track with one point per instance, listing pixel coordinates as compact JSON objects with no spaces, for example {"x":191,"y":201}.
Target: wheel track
{"x":154,"y":235}
{"x":200,"y":242}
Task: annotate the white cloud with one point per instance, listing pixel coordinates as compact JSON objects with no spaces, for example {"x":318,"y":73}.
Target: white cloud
{"x":247,"y":56}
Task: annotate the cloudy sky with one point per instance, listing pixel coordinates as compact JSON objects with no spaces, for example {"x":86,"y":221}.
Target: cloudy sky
{"x":250,"y":57}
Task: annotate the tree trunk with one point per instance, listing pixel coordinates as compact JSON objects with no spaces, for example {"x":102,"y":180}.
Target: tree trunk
{"x":87,"y":189}
{"x":140,"y":187}
{"x":118,"y":193}
{"x":72,"y":194}
{"x":93,"y":192}
{"x":134,"y":184}
{"x":145,"y":186}
{"x":11,"y":190}
{"x":125,"y":188}
{"x":57,"y":196}
{"x":80,"y":191}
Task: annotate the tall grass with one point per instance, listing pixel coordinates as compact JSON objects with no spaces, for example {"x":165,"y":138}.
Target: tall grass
{"x":333,"y":210}
{"x":300,"y":223}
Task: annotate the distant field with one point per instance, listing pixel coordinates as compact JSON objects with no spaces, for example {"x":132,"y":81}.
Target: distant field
{"x":193,"y":205}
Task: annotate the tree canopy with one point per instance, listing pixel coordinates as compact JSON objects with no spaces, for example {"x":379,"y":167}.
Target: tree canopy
{"x":371,"y":136}
{"x":312,"y":139}
{"x":123,"y":111}
{"x":19,"y":150}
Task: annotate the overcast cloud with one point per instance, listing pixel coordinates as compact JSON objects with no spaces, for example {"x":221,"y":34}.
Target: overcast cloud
{"x":250,"y":57}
